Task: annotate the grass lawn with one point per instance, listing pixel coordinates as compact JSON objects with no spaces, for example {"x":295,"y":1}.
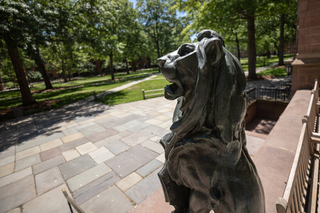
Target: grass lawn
{"x":68,"y":96}
{"x":261,"y":63}
{"x":277,"y":72}
{"x":84,"y":81}
{"x":134,"y":93}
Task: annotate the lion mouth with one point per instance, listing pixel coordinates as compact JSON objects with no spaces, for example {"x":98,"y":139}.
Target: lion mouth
{"x":173,"y":90}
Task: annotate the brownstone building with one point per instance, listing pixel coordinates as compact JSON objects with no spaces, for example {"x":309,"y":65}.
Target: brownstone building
{"x":306,"y":66}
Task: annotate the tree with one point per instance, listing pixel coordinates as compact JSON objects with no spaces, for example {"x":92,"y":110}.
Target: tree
{"x":17,"y":21}
{"x":159,"y":21}
{"x":225,"y":12}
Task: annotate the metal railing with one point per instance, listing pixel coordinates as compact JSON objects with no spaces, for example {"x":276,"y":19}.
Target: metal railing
{"x":301,"y":192}
{"x":267,"y":93}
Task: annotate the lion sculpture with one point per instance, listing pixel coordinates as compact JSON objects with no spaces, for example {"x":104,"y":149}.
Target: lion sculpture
{"x":207,"y":165}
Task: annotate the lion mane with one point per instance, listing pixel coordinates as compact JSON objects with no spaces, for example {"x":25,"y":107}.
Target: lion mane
{"x":207,"y":163}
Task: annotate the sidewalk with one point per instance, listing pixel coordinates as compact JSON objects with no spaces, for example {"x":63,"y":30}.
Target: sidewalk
{"x":107,"y":157}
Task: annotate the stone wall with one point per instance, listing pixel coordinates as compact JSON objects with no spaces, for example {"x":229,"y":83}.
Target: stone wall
{"x":265,"y":109}
{"x":306,"y":66}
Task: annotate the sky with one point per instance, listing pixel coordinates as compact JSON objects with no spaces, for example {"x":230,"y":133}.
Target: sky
{"x":134,"y":3}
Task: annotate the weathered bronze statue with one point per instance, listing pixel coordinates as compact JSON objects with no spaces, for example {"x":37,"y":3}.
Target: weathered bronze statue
{"x":207,"y":163}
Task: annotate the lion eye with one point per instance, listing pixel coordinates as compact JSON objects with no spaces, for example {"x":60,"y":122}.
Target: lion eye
{"x":186,"y":49}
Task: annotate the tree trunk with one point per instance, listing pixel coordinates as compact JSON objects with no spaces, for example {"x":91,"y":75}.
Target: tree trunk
{"x":111,"y":65}
{"x":276,"y":46}
{"x":1,"y":84}
{"x":44,"y":74}
{"x":69,"y":73}
{"x":251,"y":47}
{"x":27,"y":98}
{"x":238,"y":47}
{"x":158,"y":51}
{"x":134,"y":65}
{"x":64,"y":72}
{"x":281,"y":45}
{"x":127,"y":67}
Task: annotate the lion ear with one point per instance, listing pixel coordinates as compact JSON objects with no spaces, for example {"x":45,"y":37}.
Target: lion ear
{"x":214,"y":50}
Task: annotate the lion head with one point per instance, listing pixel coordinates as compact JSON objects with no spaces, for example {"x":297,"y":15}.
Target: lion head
{"x":209,"y":83}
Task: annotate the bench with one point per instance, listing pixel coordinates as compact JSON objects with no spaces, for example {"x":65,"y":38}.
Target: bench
{"x":301,"y":191}
{"x":148,"y":91}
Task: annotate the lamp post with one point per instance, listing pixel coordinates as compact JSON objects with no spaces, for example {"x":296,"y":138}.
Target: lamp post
{"x":288,"y":69}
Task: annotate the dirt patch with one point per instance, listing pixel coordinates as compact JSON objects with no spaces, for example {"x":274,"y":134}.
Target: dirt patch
{"x":38,"y":105}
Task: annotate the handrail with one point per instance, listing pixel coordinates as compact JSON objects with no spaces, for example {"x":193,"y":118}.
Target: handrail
{"x":293,"y":199}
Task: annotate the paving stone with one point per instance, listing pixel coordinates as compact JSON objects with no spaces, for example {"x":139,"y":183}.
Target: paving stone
{"x":121,"y":114}
{"x":161,"y":158}
{"x":17,"y":193}
{"x":113,"y":138}
{"x":166,"y":124}
{"x":6,"y":169}
{"x":101,"y":135}
{"x":127,"y":182}
{"x":112,"y":199}
{"x":16,"y":210}
{"x":48,"y":180}
{"x":125,"y":133}
{"x":117,"y":147}
{"x":88,"y":191}
{"x":155,"y":130}
{"x":70,"y":154}
{"x":145,"y":117}
{"x":128,"y":161}
{"x":144,"y":188}
{"x":28,"y":152}
{"x":50,"y":202}
{"x":136,"y":128}
{"x":32,"y":141}
{"x":101,"y":117}
{"x":104,"y":157}
{"x":125,"y":119}
{"x":156,"y":147}
{"x":155,"y":138}
{"x":153,"y":121}
{"x":72,"y":125}
{"x":76,"y":166}
{"x":73,"y":144}
{"x":86,"y":148}
{"x":101,"y":143}
{"x":72,"y":137}
{"x":48,"y":164}
{"x":27,"y":162}
{"x":149,"y":167}
{"x":98,"y":152}
{"x":162,"y":118}
{"x":107,"y":124}
{"x":51,"y":153}
{"x":86,"y":121}
{"x":70,"y":131}
{"x":91,"y":130}
{"x":7,"y":160}
{"x":8,"y":152}
{"x":137,"y":137}
{"x":84,"y":126}
{"x":87,"y":176}
{"x":131,"y":124}
{"x":164,"y":110}
{"x":15,"y":176}
{"x":50,"y":145}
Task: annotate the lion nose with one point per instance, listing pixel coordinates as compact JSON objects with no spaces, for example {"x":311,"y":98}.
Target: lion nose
{"x":161,"y":62}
